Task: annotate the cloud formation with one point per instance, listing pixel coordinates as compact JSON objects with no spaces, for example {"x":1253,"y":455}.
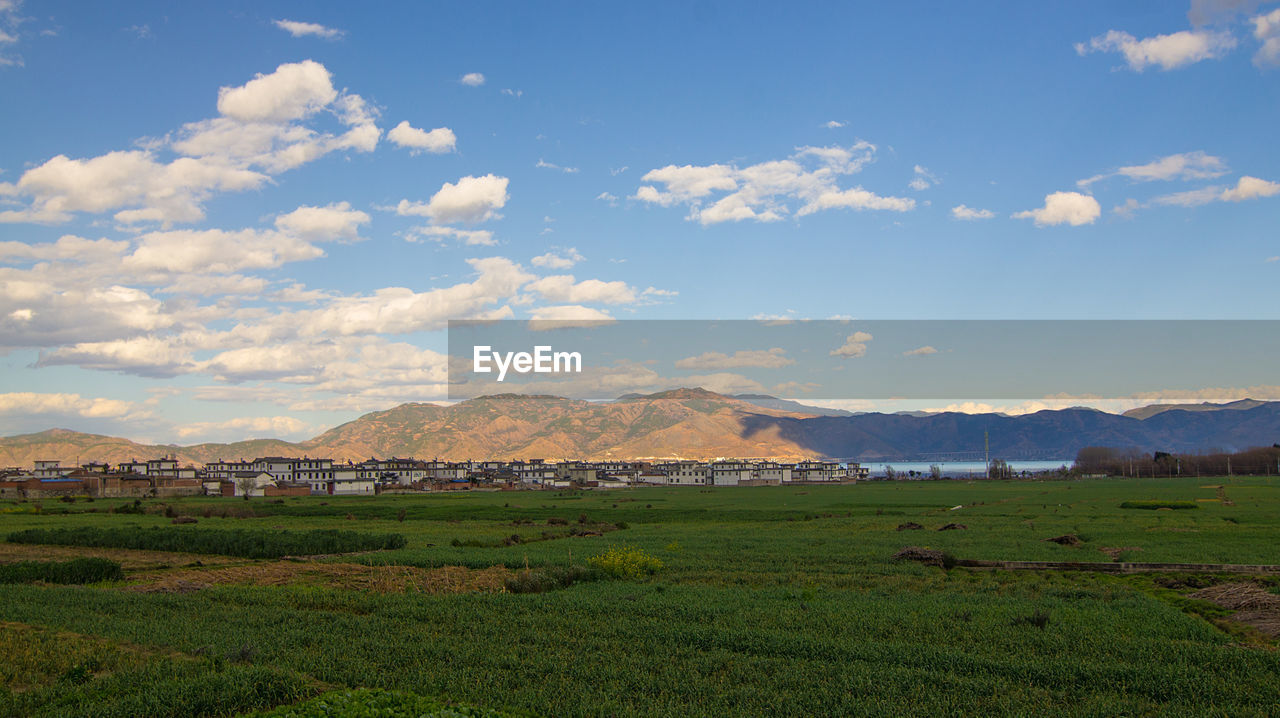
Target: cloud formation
{"x":303,"y":29}
{"x":471,"y":199}
{"x":802,"y":184}
{"x":968,"y":213}
{"x":437,"y":141}
{"x":1185,"y":166}
{"x":855,"y":345}
{"x":1266,"y":29}
{"x":558,"y":259}
{"x":261,"y":131}
{"x":774,"y":358}
{"x":1168,"y":52}
{"x":1070,"y":208}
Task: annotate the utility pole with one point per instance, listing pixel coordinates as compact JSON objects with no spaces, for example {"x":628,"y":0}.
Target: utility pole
{"x":986,"y":450}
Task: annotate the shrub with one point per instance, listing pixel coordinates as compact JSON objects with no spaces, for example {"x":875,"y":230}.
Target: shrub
{"x":78,"y":570}
{"x":549,"y":578}
{"x":228,"y":542}
{"x":627,"y":562}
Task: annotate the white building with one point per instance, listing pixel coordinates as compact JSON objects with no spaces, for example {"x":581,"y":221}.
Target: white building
{"x":730,"y":473}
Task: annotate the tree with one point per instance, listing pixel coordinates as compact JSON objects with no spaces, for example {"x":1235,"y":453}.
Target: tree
{"x":889,"y":473}
{"x":247,"y":484}
{"x":999,"y":469}
{"x":935,"y":471}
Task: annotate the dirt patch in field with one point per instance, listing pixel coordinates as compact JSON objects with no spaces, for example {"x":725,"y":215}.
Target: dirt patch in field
{"x":919,"y":554}
{"x":1253,"y":604}
{"x":1115,"y":552}
{"x":910,"y":526}
{"x":953,"y":527}
{"x":128,"y":559}
{"x":352,"y":576}
{"x":1065,"y":540}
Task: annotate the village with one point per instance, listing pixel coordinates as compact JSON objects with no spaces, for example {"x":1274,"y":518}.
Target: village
{"x":272,"y":476}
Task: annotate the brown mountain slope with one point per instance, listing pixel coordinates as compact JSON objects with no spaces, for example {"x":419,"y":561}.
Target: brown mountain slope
{"x":691,"y":423}
{"x":1144,"y":412}
{"x":72,"y":448}
{"x":684,"y":423}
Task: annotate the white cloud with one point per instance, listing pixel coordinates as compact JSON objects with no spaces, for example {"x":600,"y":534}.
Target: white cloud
{"x":472,"y":199}
{"x":547,"y":165}
{"x":1266,"y":28}
{"x":292,"y":92}
{"x":768,"y":191}
{"x":472,"y":79}
{"x":1165,"y":51}
{"x":558,"y":259}
{"x":1204,"y":12}
{"x":1128,"y":209}
{"x":27,"y":403}
{"x":302,"y":29}
{"x":40,"y":309}
{"x":655,"y":292}
{"x":67,"y":247}
{"x":248,"y":427}
{"x":567,"y":313}
{"x":10,"y":20}
{"x":833,"y":124}
{"x":855,"y":345}
{"x":968,"y":213}
{"x":1070,"y":208}
{"x":259,"y":133}
{"x":335,"y":221}
{"x":512,"y":93}
{"x":1250,"y":188}
{"x":1190,"y":198}
{"x":562,"y":288}
{"x":1246,"y":188}
{"x":469,"y":237}
{"x":217,"y":251}
{"x":174,"y":192}
{"x":923,"y":179}
{"x":1273,"y":259}
{"x":1185,"y":166}
{"x":774,"y":358}
{"x":145,"y":355}
{"x":609,"y":197}
{"x":398,"y":310}
{"x":920,"y":351}
{"x":436,"y":141}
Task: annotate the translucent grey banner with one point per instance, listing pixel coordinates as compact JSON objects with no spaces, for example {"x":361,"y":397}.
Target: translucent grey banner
{"x":861,"y":359}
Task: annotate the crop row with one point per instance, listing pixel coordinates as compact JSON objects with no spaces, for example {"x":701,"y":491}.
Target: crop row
{"x":246,"y":543}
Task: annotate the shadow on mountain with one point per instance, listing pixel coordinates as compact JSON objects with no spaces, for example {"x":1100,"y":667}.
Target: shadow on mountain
{"x":1044,"y":435}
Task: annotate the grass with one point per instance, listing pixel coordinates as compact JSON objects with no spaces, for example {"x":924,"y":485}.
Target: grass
{"x":228,"y":542}
{"x":768,"y":600}
{"x":78,"y":570}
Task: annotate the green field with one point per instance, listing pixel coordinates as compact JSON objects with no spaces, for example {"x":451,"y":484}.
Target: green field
{"x":768,"y":600}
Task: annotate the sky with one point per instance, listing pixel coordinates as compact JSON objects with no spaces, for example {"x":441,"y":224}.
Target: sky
{"x":233,"y":220}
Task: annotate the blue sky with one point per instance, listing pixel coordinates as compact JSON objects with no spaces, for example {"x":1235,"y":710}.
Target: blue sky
{"x":227,"y":220}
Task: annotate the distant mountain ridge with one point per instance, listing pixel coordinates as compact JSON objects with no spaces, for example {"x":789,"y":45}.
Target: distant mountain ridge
{"x":1146,"y":412}
{"x":693,"y":424}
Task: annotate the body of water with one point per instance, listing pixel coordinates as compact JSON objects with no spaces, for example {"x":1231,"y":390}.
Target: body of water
{"x":975,"y":469}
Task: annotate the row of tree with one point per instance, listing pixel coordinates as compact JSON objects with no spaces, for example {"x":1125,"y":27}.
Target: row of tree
{"x":1261,"y":461}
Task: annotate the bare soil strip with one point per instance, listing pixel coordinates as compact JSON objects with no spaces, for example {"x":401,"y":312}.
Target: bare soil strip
{"x":129,"y":559}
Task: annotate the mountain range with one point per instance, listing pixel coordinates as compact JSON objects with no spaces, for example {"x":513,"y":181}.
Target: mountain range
{"x":698,"y":424}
